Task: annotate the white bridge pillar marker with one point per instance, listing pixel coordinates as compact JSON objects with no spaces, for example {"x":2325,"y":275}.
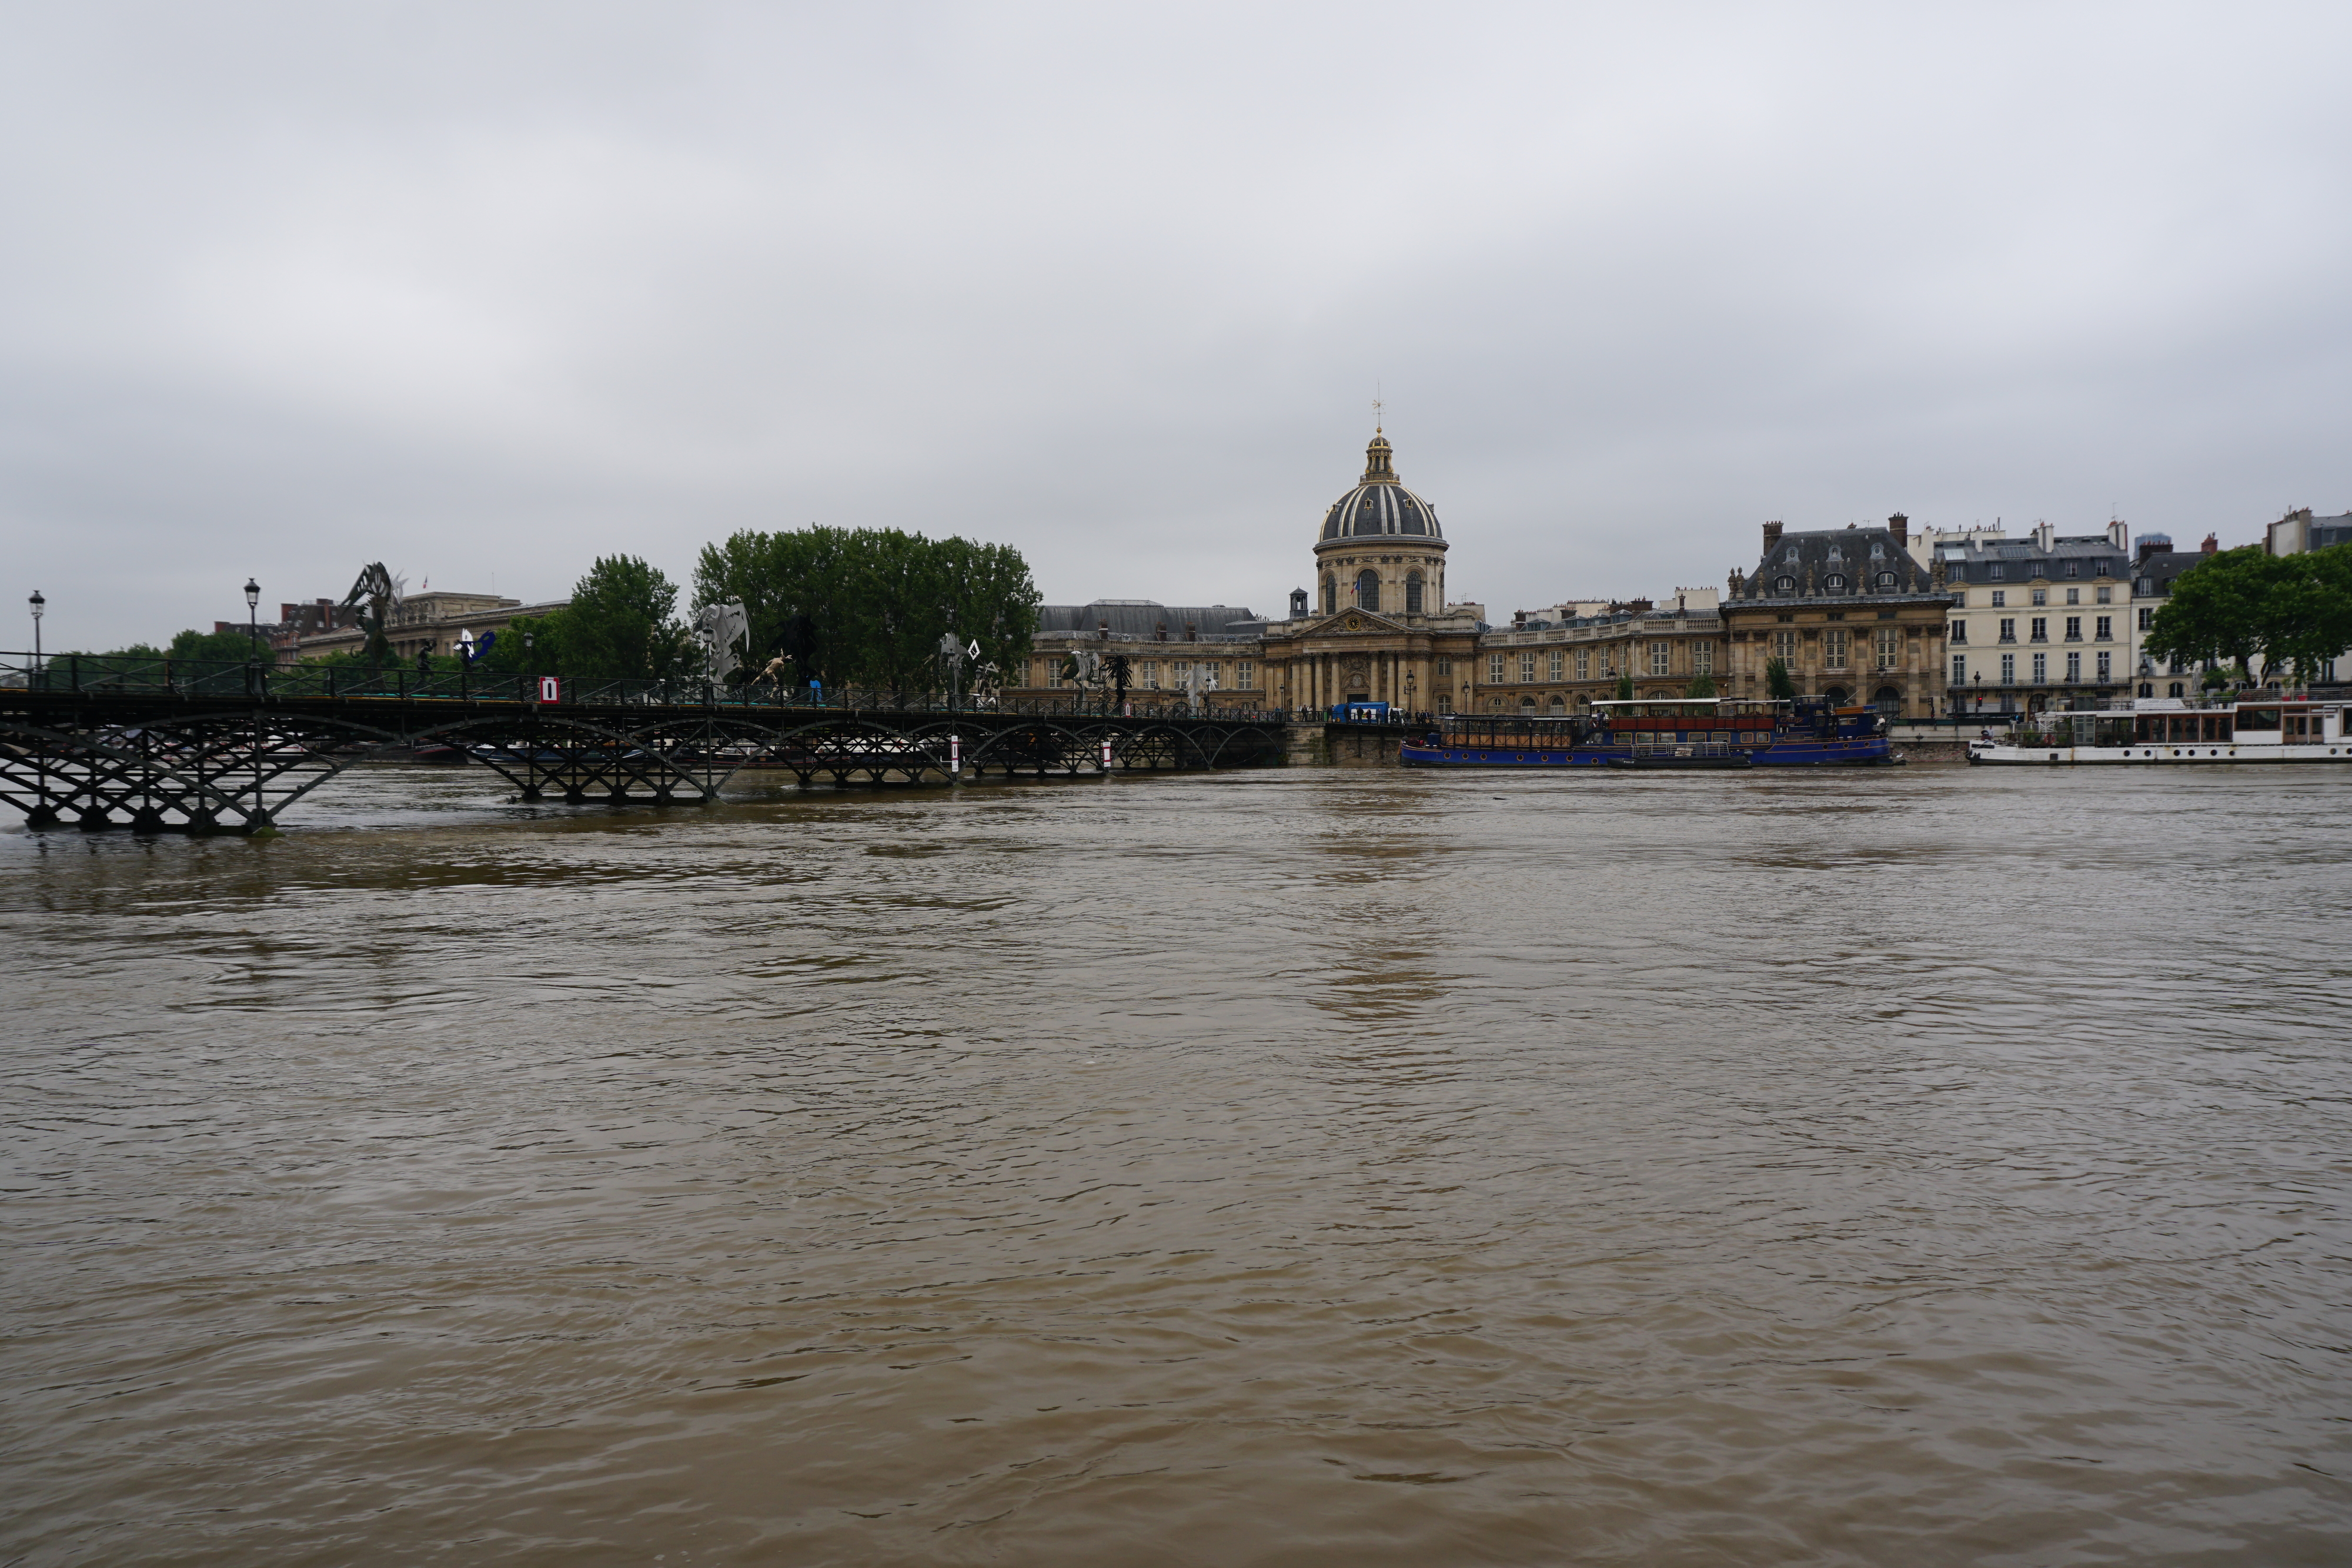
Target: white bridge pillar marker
{"x":955,"y":759}
{"x":1106,"y":768}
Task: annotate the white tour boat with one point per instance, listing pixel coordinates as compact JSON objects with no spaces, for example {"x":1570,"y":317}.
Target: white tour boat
{"x":2158,"y":730}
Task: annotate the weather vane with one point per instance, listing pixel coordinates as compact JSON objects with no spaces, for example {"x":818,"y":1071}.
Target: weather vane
{"x":1377,"y":406}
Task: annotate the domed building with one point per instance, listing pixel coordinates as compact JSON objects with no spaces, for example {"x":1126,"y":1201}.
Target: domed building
{"x":1407,"y":572}
{"x":1377,"y":627}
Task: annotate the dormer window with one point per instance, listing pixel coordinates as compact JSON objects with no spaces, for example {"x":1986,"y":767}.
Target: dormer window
{"x":1784,"y":585}
{"x":1993,"y":571}
{"x":2074,"y":569}
{"x":1885,"y":580}
{"x":1835,"y":581}
{"x":1877,"y":551}
{"x":1835,"y":553}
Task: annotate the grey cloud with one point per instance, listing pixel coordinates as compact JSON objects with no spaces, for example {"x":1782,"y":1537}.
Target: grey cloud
{"x":491,"y":290}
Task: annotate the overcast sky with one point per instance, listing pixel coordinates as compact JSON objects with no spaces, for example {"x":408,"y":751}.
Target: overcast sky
{"x":485,"y":290}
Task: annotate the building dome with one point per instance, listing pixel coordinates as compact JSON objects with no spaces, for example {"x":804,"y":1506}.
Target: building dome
{"x":1380,"y":507}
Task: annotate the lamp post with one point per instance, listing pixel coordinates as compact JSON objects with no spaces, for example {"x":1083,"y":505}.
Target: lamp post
{"x":253,"y":616}
{"x":38,"y":604}
{"x":1409,"y":684}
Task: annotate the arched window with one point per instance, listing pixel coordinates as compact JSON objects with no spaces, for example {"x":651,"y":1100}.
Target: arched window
{"x":1330,"y":594}
{"x":1888,"y":701}
{"x":1368,"y":590}
{"x":1784,"y":585}
{"x":1835,"y":581}
{"x":1412,"y":593}
{"x":1885,"y":580}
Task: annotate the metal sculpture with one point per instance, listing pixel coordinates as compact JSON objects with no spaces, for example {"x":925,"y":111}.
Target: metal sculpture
{"x":722,"y":630}
{"x":377,"y":595}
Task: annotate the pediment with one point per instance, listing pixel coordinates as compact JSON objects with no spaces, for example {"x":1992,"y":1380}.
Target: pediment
{"x":1356,"y":622}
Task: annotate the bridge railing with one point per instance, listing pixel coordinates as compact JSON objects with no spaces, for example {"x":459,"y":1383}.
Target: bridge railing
{"x":199,"y":679}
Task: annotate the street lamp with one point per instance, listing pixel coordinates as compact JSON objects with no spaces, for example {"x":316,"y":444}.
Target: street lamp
{"x":253,"y":615}
{"x":38,"y":604}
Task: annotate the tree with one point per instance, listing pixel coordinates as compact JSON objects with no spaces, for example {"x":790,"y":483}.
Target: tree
{"x":618,"y":626}
{"x":1625,"y":688}
{"x":1777,"y":680}
{"x":2293,"y":613}
{"x":2214,"y":614}
{"x":219,"y":647}
{"x":1702,"y":686}
{"x":876,"y":601}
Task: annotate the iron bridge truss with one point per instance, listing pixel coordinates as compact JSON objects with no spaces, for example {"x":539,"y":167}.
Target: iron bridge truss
{"x":177,"y":762}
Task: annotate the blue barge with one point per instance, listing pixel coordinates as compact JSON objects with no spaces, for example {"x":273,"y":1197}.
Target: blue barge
{"x":1685,"y":732}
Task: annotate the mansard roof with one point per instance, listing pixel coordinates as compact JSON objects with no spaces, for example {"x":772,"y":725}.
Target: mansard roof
{"x":1854,"y":563}
{"x":1147,"y":618}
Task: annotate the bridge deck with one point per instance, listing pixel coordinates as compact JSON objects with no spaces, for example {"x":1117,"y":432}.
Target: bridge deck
{"x":175,"y":749}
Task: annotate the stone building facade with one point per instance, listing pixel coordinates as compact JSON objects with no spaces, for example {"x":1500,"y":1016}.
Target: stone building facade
{"x":1850,"y":611}
{"x":2038,"y":621}
{"x":432,"y":622}
{"x":1375,"y":628}
{"x":1857,"y":616}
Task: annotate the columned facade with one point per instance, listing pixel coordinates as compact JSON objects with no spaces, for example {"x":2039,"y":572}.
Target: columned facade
{"x":1376,"y":626}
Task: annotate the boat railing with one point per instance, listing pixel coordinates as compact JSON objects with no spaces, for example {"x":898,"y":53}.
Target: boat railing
{"x":1688,"y":749}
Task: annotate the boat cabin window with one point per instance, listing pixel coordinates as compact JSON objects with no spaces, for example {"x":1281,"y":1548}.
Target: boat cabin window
{"x":2258,"y":718}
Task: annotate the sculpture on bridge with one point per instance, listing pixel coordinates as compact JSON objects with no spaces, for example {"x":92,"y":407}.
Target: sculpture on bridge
{"x":725,"y":632}
{"x":380,"y":592}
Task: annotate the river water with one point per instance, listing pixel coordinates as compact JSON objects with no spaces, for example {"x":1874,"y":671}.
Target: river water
{"x":1305,"y":1167}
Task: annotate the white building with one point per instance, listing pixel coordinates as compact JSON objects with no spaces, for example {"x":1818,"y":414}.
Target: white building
{"x":2040,"y":621}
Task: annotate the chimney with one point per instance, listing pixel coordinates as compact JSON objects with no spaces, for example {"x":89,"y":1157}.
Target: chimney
{"x":1771,"y":535}
{"x":1163,"y":629}
{"x":2042,"y":534}
{"x":2211,"y":544}
{"x":2119,"y":535}
{"x":1900,"y":527}
{"x":1191,"y":632}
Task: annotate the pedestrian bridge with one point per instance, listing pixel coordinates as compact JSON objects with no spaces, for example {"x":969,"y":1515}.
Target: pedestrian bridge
{"x":167,"y":746}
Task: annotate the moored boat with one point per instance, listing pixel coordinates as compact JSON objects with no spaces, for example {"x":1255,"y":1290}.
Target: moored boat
{"x":2265,"y":730}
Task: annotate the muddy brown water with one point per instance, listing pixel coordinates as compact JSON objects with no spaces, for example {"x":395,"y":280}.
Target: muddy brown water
{"x":1309,"y":1166}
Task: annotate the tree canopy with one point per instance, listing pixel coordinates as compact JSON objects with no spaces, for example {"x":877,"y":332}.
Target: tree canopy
{"x":2292,"y":613}
{"x":618,"y":626}
{"x":210,"y":647}
{"x":877,"y":600}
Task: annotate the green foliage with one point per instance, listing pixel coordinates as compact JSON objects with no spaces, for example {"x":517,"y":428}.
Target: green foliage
{"x":219,"y":647}
{"x":618,"y":626}
{"x":1625,"y":688}
{"x":2293,"y":613}
{"x":1776,"y":681}
{"x":1704,"y":686}
{"x":879,"y":599}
